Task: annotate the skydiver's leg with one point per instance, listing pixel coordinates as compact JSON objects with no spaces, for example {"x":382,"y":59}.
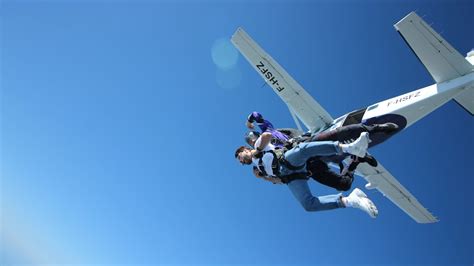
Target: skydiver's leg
{"x":351,"y":132}
{"x":302,"y":193}
{"x":304,"y":151}
{"x":321,"y":173}
{"x":342,"y":134}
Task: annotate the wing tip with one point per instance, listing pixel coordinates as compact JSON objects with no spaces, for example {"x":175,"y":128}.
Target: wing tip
{"x":429,"y":221}
{"x":237,"y":32}
{"x":410,"y":16}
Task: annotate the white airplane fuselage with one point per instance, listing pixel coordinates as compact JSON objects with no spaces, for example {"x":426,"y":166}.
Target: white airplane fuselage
{"x":408,"y":108}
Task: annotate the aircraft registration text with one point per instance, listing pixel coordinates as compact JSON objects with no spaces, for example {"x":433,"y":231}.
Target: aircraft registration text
{"x":404,"y":98}
{"x":269,"y":76}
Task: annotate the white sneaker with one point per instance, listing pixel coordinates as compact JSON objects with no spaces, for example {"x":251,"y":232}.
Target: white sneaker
{"x":359,"y":193}
{"x":358,"y":199}
{"x":359,"y":146}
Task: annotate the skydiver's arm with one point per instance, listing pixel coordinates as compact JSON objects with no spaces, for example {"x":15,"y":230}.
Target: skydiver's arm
{"x":249,"y":125}
{"x":267,"y":163}
{"x":255,"y":117}
{"x":274,"y":180}
{"x":258,"y":174}
{"x":265,"y":139}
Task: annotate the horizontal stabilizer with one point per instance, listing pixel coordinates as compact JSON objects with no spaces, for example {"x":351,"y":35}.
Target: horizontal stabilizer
{"x":379,"y":178}
{"x":441,"y":60}
{"x":466,"y":100}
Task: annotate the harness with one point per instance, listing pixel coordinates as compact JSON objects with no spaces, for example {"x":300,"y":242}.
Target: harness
{"x":279,"y":160}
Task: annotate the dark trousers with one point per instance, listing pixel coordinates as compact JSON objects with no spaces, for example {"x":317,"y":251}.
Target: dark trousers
{"x":320,"y":171}
{"x":343,"y":134}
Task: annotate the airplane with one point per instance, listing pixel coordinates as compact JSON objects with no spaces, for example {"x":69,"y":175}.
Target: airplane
{"x":453,"y":74}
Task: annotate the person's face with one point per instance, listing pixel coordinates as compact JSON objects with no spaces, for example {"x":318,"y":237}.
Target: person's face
{"x":245,"y":157}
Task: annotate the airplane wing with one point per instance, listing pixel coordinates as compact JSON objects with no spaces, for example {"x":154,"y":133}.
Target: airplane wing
{"x":313,"y":116}
{"x":379,"y":178}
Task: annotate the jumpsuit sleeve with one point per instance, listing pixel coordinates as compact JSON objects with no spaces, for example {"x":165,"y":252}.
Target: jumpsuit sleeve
{"x":255,"y":117}
{"x":267,"y":163}
{"x":263,"y":124}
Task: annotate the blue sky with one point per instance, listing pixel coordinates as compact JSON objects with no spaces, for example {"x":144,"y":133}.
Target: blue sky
{"x":118,"y":133}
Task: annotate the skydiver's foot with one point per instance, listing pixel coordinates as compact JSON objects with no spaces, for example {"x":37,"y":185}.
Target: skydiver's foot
{"x":358,"y":147}
{"x":355,"y":161}
{"x":341,"y":167}
{"x":386,"y":128}
{"x":369,"y":159}
{"x":358,"y":199}
{"x":350,"y":166}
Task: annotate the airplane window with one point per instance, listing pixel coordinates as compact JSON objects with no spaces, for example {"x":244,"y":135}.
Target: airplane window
{"x":372,"y":107}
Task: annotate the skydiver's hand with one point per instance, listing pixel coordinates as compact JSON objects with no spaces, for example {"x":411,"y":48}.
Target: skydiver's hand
{"x":274,"y":180}
{"x":257,"y":173}
{"x":257,"y":154}
{"x":249,"y":125}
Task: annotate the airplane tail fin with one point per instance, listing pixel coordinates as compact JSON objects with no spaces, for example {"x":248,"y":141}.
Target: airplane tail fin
{"x":441,"y":60}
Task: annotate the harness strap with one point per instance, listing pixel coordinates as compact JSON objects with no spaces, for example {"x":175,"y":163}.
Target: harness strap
{"x":280,"y":160}
{"x":291,"y":167}
{"x":288,"y":178}
{"x":275,"y":164}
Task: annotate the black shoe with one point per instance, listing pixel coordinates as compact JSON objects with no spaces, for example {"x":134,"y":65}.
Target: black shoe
{"x":353,"y":166}
{"x":386,"y":128}
{"x":370,"y":160}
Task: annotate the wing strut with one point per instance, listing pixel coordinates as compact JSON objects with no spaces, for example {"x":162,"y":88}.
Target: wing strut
{"x":297,"y":122}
